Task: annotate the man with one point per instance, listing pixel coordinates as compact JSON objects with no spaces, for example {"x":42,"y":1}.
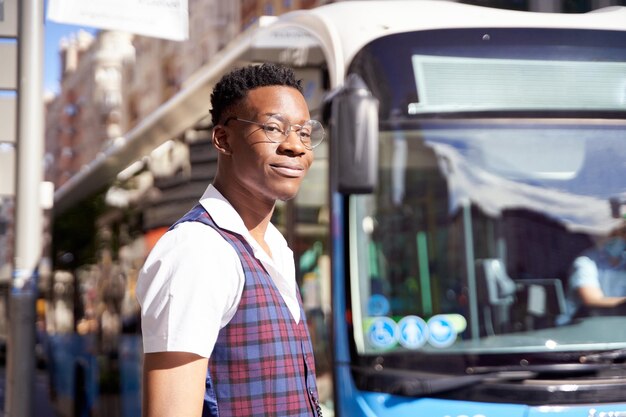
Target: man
{"x":223,"y":327}
{"x":598,"y":281}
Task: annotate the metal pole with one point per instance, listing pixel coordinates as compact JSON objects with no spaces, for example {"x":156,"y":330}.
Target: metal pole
{"x":19,"y":400}
{"x":470,"y":263}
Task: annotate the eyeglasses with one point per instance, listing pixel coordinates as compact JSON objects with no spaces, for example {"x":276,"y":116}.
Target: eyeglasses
{"x":277,"y":129}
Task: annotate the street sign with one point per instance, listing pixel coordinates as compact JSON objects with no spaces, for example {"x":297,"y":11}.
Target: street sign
{"x":160,"y":19}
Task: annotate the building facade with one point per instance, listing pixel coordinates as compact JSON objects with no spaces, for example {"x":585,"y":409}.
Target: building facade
{"x":86,"y":115}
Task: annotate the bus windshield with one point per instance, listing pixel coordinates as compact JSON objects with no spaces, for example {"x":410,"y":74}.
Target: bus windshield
{"x":501,"y":189}
{"x":470,"y":240}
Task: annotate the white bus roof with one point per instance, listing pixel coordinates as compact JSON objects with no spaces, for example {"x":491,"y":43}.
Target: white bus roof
{"x":335,"y":33}
{"x":343,"y":28}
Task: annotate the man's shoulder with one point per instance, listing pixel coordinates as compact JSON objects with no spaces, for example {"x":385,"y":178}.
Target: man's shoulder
{"x":188,"y":240}
{"x":195,"y":233}
{"x":188,"y":246}
{"x":586,"y":260}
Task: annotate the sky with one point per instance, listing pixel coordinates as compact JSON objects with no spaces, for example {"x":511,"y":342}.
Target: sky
{"x":53,"y":33}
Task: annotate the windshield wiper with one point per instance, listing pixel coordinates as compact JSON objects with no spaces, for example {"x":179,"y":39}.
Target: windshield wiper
{"x":416,"y":384}
{"x":567,"y":369}
{"x":609,"y":356}
{"x":415,"y":387}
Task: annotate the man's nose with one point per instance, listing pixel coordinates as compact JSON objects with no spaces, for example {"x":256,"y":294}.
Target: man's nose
{"x":293,"y":142}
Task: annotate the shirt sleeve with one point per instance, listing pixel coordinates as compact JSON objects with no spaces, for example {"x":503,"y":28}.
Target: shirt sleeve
{"x":585,"y":273}
{"x":188,"y":289}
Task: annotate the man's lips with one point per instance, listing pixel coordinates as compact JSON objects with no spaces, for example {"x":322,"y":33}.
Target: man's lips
{"x":289,"y":170}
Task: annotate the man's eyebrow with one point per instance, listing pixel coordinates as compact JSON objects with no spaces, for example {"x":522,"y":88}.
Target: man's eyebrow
{"x":285,"y":117}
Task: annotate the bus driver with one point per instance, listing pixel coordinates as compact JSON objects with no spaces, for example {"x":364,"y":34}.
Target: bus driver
{"x":597,"y":285}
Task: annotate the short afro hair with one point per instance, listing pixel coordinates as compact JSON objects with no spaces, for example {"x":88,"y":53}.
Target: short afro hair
{"x":235,"y":85}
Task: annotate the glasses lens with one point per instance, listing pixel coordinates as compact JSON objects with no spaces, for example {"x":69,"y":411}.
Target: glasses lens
{"x":313,"y":133}
{"x":275,"y":127}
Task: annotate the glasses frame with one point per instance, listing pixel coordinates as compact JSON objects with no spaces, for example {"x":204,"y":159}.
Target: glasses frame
{"x":285,"y":133}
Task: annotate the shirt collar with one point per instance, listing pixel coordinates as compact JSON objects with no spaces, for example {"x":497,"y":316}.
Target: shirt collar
{"x":226,"y":217}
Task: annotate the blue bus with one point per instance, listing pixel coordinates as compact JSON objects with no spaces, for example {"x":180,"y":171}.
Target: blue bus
{"x":473,"y":155}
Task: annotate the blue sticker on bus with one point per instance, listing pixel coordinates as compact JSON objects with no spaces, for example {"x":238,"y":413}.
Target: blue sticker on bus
{"x":382,"y":332}
{"x":413,"y":332}
{"x":377,"y":305}
{"x":442,"y":331}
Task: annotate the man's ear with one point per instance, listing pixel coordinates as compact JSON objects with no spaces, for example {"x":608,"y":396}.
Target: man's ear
{"x":220,"y":140}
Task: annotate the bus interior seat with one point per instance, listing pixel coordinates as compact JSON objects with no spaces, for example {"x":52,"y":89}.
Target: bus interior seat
{"x":537,"y":301}
{"x":496,"y":293}
{"x":544,"y":301}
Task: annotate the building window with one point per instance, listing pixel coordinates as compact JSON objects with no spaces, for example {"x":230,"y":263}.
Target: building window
{"x":67,"y":152}
{"x":70,"y":109}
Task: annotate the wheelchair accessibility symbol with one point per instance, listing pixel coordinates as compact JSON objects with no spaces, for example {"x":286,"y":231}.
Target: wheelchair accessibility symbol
{"x":382,"y":332}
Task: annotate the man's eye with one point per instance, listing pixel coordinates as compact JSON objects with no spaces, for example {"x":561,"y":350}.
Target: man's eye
{"x":272,"y":129}
{"x":304,"y":134}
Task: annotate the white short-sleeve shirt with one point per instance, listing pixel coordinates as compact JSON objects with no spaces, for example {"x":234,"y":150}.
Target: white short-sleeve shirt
{"x":191,"y":283}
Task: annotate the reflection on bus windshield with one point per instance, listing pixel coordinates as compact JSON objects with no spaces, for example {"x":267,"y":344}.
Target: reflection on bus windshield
{"x":493,"y":238}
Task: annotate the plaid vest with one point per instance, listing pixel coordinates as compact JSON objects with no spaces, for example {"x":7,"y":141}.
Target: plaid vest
{"x":262,"y":363}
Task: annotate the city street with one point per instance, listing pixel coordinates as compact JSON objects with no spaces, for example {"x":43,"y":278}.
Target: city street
{"x":398,"y":208}
{"x":43,"y":407}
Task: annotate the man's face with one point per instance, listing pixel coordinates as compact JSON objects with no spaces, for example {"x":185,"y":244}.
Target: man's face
{"x":264,"y":169}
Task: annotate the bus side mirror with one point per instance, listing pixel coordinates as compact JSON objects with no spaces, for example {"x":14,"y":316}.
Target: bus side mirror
{"x":354,"y":137}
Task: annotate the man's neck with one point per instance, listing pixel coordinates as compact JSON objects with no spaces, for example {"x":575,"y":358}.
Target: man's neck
{"x":256,"y":215}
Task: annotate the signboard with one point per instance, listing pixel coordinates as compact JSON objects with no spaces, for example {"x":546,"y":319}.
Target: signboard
{"x":8,"y":120}
{"x":168,"y":19}
{"x":8,"y":18}
{"x":8,"y":98}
